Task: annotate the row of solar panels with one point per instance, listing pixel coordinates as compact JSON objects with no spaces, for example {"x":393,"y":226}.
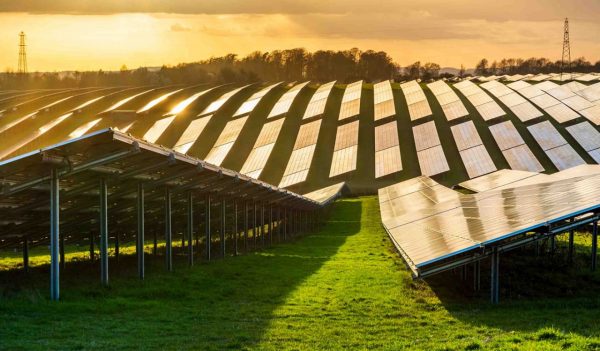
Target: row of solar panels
{"x":432,"y":225}
{"x":582,"y":77}
{"x":55,"y":116}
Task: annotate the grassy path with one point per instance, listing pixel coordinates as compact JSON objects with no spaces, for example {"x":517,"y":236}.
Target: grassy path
{"x":343,"y":288}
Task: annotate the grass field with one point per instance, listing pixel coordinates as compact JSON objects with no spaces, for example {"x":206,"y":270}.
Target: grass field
{"x":341,"y":288}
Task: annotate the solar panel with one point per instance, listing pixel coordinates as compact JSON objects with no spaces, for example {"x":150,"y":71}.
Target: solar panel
{"x":522,"y":158}
{"x":285,"y":101}
{"x":257,"y":160}
{"x":386,"y":136}
{"x":387,"y":150}
{"x":577,"y":103}
{"x":327,"y":194}
{"x":228,"y":137}
{"x":346,"y":136}
{"x":561,"y":113}
{"x":298,"y":166}
{"x":308,"y":134}
{"x":447,"y":97}
{"x":432,"y":161}
{"x":419,"y":110}
{"x":387,"y":161}
{"x":547,"y":85}
{"x":350,"y":106}
{"x":512,"y":99}
{"x":561,"y":93}
{"x":343,"y":161}
{"x":317,"y":103}
{"x":222,"y":100}
{"x":248,"y":106}
{"x":465,"y":135}
{"x":157,"y":101}
{"x":555,"y":146}
{"x":157,"y":129}
{"x":479,"y":98}
{"x":531,"y":91}
{"x":518,"y":85}
{"x":427,"y":235}
{"x":496,"y":179}
{"x":526,"y":111}
{"x":83,"y":129}
{"x":592,"y":113}
{"x":490,"y":110}
{"x":450,"y":102}
{"x":426,"y":135}
{"x":506,"y":135}
{"x":564,"y":157}
{"x":418,"y":107}
{"x":544,"y":101}
{"x":588,"y":137}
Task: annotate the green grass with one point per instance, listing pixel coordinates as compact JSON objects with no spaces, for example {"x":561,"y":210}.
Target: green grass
{"x":341,"y":288}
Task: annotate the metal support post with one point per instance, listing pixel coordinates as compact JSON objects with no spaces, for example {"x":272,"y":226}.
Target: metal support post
{"x":54,"y":234}
{"x":168,"y":231}
{"x":594,"y":244}
{"x":103,"y":232}
{"x":246,"y":226}
{"x":25,"y":254}
{"x":495,"y":277}
{"x":139,"y":248}
{"x":235,"y":227}
{"x":223,"y":225}
{"x":190,"y":228}
{"x":207,"y":227}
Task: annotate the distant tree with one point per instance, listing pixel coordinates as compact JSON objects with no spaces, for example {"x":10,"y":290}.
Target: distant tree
{"x":413,"y":71}
{"x":482,"y":67}
{"x":461,"y":73}
{"x":430,"y":71}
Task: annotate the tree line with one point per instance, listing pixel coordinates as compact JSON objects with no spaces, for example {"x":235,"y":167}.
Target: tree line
{"x":281,"y":65}
{"x":533,"y":66}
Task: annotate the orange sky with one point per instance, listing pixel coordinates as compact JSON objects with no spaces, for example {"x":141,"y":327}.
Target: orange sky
{"x":85,"y":34}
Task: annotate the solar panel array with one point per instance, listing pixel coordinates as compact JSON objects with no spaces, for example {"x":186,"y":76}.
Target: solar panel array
{"x":257,"y":160}
{"x":191,"y":134}
{"x":473,"y":153}
{"x":222,"y":100}
{"x":160,"y":126}
{"x":418,"y":106}
{"x":525,"y":111}
{"x":435,"y":231}
{"x":157,"y":101}
{"x":350,"y":106}
{"x":432,"y":159}
{"x":387,"y":149}
{"x":298,"y":165}
{"x":317,"y":103}
{"x":383,"y":100}
{"x":284,"y":103}
{"x":451,"y":104}
{"x":518,"y":155}
{"x":561,"y":154}
{"x":485,"y":105}
{"x":588,"y":137}
{"x":548,"y":96}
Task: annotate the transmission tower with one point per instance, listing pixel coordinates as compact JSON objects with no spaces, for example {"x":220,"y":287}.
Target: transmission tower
{"x":565,"y":63}
{"x":22,"y":54}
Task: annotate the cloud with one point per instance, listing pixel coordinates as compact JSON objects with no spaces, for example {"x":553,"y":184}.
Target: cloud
{"x":178,"y":27}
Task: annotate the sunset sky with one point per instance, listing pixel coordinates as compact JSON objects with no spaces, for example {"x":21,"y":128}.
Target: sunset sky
{"x":89,"y":35}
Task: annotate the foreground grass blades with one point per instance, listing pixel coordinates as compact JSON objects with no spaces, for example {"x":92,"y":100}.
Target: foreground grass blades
{"x":341,"y":288}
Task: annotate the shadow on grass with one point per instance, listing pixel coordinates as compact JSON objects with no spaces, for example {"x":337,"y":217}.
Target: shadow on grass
{"x":537,"y":292}
{"x":222,"y":305}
